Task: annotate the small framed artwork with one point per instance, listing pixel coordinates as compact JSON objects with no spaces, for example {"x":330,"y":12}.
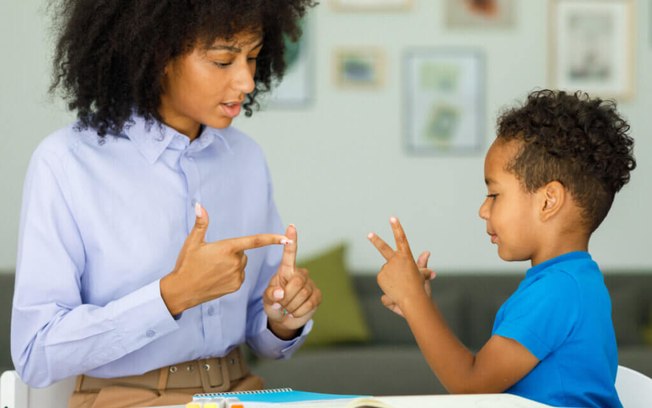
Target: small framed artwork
{"x":358,"y":67}
{"x":370,"y":5}
{"x":296,"y":88}
{"x":480,"y":14}
{"x":444,"y":101}
{"x":592,"y":47}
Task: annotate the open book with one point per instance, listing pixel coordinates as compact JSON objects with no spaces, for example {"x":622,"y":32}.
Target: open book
{"x":367,"y":402}
{"x":283,"y":396}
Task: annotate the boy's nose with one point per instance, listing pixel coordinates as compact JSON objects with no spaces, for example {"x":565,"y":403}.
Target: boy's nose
{"x":483,"y":212}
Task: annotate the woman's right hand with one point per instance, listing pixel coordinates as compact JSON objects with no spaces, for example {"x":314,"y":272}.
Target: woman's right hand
{"x":206,"y":271}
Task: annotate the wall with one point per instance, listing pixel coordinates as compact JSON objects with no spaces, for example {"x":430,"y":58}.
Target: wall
{"x":339,"y":164}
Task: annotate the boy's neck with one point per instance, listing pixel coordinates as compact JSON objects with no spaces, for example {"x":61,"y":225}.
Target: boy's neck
{"x":554,"y":247}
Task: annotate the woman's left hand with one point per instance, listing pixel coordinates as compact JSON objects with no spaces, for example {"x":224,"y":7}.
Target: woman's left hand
{"x":292,"y":298}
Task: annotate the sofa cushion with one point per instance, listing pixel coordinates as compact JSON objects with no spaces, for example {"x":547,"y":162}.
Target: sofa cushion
{"x":360,"y":370}
{"x":339,"y":318}
{"x":6,"y":297}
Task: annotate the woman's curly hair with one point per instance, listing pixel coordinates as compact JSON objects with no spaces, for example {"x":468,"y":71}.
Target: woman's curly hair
{"x":581,"y":142}
{"x":110,"y":55}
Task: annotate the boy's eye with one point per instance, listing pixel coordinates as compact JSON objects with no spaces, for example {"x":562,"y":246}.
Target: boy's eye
{"x":221,"y":64}
{"x":492,"y":196}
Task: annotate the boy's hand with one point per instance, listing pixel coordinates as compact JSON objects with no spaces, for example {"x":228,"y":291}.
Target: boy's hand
{"x":400,"y":278}
{"x":292,"y":298}
{"x":428,"y":275}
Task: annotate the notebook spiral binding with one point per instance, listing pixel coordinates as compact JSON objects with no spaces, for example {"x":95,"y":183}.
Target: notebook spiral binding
{"x":236,"y":393}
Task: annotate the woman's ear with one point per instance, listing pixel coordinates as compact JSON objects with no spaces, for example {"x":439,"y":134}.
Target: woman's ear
{"x":552,"y":199}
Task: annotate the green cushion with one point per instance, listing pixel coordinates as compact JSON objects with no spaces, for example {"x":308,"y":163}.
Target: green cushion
{"x":339,"y":318}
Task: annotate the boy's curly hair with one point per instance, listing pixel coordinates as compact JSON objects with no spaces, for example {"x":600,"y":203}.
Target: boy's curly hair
{"x":110,"y":54}
{"x":581,"y":142}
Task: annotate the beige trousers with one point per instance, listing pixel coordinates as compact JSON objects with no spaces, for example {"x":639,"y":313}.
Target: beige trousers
{"x":129,"y":397}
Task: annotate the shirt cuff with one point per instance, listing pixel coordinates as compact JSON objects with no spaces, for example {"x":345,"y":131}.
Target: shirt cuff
{"x":154,"y":319}
{"x":271,"y":346}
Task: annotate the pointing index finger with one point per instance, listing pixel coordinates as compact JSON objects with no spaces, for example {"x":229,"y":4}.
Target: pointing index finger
{"x":241,"y":244}
{"x":402,"y":244}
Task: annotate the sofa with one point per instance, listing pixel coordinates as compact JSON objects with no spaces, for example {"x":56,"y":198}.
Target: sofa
{"x":386,"y":359}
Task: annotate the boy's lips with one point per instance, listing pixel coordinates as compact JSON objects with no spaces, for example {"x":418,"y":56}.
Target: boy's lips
{"x":494,"y":237}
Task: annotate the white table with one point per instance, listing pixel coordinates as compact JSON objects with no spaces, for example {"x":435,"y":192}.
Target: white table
{"x":418,"y":401}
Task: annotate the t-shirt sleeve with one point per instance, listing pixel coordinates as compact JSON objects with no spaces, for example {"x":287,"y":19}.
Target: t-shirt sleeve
{"x":542,"y":316}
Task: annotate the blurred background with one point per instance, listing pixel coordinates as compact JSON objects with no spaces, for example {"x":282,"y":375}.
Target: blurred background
{"x":388,"y":110}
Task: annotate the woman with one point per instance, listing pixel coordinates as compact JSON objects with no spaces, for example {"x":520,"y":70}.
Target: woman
{"x":121,"y":278}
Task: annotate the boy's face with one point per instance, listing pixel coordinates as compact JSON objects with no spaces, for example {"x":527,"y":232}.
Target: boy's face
{"x":510,"y":212}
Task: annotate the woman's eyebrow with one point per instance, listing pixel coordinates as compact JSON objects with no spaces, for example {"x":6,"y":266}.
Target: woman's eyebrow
{"x":232,"y":48}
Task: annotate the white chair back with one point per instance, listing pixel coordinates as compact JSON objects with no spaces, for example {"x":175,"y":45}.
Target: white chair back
{"x":14,"y":393}
{"x":634,"y":388}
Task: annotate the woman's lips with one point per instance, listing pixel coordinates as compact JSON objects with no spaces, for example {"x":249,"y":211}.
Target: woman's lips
{"x":231,"y":109}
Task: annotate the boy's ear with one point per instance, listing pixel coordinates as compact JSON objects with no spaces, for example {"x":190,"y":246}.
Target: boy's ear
{"x":552,"y":199}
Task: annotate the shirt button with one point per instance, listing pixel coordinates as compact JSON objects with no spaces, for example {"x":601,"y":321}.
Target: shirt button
{"x":211,"y":311}
{"x":150,"y":333}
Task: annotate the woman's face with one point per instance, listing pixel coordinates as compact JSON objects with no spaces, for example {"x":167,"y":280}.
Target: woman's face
{"x":207,"y":86}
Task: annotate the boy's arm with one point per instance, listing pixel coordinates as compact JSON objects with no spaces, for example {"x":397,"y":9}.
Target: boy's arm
{"x":498,"y":365}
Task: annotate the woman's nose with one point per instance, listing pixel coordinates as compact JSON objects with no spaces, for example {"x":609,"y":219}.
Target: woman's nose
{"x":244,"y":79}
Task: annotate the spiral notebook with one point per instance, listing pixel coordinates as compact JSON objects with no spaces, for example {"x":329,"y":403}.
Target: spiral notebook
{"x":279,"y":396}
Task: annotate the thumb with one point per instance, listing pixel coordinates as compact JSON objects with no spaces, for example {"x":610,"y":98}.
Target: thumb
{"x":198,"y":232}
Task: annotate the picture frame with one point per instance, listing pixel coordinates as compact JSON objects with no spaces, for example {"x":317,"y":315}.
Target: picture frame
{"x":358,"y":68}
{"x":444,"y":101}
{"x":475,"y":14}
{"x":592,"y":47}
{"x":296,"y":90}
{"x":370,"y":5}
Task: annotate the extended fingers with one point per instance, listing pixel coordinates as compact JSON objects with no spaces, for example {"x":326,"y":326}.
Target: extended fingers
{"x":256,"y":241}
{"x":289,"y":259}
{"x":402,"y":244}
{"x":385,"y":250}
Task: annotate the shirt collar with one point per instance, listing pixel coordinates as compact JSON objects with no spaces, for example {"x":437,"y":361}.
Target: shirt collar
{"x":152,"y":138}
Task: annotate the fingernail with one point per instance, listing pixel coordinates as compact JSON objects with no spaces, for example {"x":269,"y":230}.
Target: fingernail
{"x":392,"y":220}
{"x":432,"y":275}
{"x":276,"y":306}
{"x":198,"y":209}
{"x":293,"y":226}
{"x":279,"y":293}
{"x":286,"y":241}
{"x":371,"y":235}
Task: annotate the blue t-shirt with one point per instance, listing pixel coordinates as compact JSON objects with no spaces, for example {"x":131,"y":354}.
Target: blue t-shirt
{"x":561,"y":312}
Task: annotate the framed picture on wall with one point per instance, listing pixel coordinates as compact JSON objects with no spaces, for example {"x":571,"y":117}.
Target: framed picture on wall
{"x":296,"y":88}
{"x":479,"y":14}
{"x":358,"y":67}
{"x":444,"y":101}
{"x":370,"y":5}
{"x":592,"y":46}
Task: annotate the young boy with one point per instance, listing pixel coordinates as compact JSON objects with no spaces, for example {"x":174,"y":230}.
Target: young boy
{"x":551,"y":175}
